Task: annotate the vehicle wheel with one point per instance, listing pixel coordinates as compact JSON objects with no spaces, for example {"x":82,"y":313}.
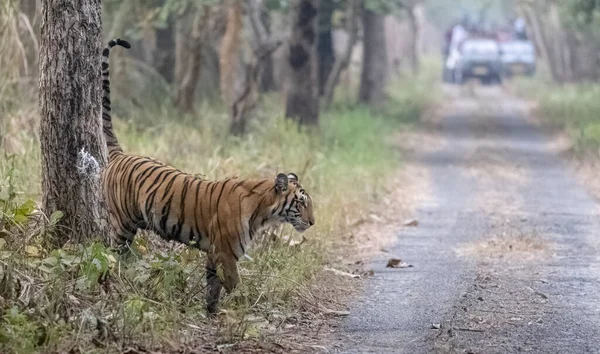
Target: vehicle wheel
{"x":447,"y":76}
{"x":458,"y":77}
{"x":499,"y":79}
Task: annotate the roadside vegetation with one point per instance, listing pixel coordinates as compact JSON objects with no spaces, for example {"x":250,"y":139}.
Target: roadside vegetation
{"x":86,"y":296}
{"x":570,"y":107}
{"x":566,"y":89}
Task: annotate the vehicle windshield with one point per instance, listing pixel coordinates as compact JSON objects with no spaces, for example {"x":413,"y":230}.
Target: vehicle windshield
{"x":521,"y":47}
{"x":480,"y":47}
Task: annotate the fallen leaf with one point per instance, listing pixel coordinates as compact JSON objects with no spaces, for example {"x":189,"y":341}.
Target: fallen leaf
{"x":436,"y":326}
{"x":412,"y":223}
{"x":358,"y":222}
{"x":339,"y":272}
{"x":376,"y":218}
{"x":32,"y":251}
{"x":335,"y":312}
{"x":370,"y":273}
{"x":397,"y":263}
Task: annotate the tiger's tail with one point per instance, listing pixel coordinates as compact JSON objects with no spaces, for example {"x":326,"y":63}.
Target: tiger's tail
{"x":111,"y":140}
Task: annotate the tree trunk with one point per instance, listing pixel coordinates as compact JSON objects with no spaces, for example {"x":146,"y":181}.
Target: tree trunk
{"x":229,"y":53}
{"x":374,"y":64}
{"x":325,"y":42}
{"x":164,"y":60}
{"x":267,"y":79}
{"x":263,"y":46}
{"x":190,"y":61}
{"x":342,"y":62}
{"x":546,"y":37}
{"x":73,"y":146}
{"x":302,"y":99}
{"x":414,"y":22}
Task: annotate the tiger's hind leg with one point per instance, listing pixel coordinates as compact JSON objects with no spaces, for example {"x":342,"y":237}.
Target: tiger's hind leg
{"x":213,"y":287}
{"x":124,"y":234}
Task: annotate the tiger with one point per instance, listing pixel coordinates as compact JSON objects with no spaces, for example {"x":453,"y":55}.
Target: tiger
{"x":219,"y":217}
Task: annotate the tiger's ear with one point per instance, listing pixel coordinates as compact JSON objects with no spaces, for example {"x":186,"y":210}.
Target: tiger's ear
{"x":292,"y":177}
{"x":281,"y":183}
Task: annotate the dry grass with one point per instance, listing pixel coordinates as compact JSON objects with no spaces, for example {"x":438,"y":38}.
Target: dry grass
{"x":509,"y":243}
{"x":86,"y":298}
{"x":155,"y":300}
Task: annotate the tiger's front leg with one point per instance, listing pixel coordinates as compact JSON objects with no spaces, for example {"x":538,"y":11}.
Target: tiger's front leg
{"x":213,"y":287}
{"x":231,"y":278}
{"x":214,"y":284}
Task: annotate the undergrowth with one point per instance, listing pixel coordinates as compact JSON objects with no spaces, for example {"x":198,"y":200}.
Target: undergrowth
{"x":571,"y":107}
{"x":86,"y":296}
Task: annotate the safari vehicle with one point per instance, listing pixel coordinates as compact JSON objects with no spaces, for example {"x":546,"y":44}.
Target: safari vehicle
{"x":479,"y":58}
{"x":518,"y":58}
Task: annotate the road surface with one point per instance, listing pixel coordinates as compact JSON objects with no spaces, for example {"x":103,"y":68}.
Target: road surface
{"x":505,"y":258}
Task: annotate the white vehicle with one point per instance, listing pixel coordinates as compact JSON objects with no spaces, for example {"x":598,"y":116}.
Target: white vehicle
{"x":518,"y":58}
{"x":478,"y":58}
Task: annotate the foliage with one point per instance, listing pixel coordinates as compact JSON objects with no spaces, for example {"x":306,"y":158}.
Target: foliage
{"x":81,"y":295}
{"x":573,"y":108}
{"x":89,"y":297}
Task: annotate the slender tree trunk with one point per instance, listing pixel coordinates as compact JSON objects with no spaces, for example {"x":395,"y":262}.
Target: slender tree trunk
{"x":190,"y":62}
{"x":267,"y":79}
{"x":164,"y":60}
{"x":302,"y":101}
{"x":263,"y":46}
{"x":342,"y":62}
{"x":73,"y":147}
{"x":229,"y":53}
{"x":325,"y":42}
{"x":413,"y":19}
{"x":543,"y":36}
{"x":374,"y":65}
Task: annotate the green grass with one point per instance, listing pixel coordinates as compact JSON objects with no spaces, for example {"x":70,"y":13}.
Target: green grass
{"x":571,"y":107}
{"x":156,"y":297}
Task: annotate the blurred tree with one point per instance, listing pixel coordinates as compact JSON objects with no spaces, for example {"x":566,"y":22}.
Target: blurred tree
{"x":325,"y":50}
{"x":263,"y":45}
{"x":302,"y":102}
{"x":72,"y":143}
{"x":374,"y":63}
{"x":229,"y":53}
{"x":164,"y":60}
{"x":353,"y":8}
{"x":189,"y":58}
{"x":267,"y":79}
{"x":566,"y":35}
{"x":414,"y":11}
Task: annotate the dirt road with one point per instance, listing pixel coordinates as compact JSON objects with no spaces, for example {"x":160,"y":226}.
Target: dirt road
{"x":505,"y":257}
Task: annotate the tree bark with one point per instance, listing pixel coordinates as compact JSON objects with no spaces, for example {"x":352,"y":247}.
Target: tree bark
{"x":325,"y":42}
{"x":72,"y":143}
{"x":164,"y":60}
{"x":263,"y":46}
{"x":415,"y":29}
{"x":342,"y":62}
{"x":549,"y":37}
{"x":302,"y":99}
{"x":374,"y":64}
{"x":229,"y":53}
{"x":190,"y":62}
{"x":267,"y":76}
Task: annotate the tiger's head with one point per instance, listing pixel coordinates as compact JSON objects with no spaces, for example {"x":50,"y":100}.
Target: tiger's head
{"x":296,"y":205}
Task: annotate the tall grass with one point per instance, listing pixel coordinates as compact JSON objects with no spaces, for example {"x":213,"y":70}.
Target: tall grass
{"x":571,"y":107}
{"x":87,"y":296}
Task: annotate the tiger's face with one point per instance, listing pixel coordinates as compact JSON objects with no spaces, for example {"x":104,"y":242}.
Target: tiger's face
{"x":297,"y":204}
